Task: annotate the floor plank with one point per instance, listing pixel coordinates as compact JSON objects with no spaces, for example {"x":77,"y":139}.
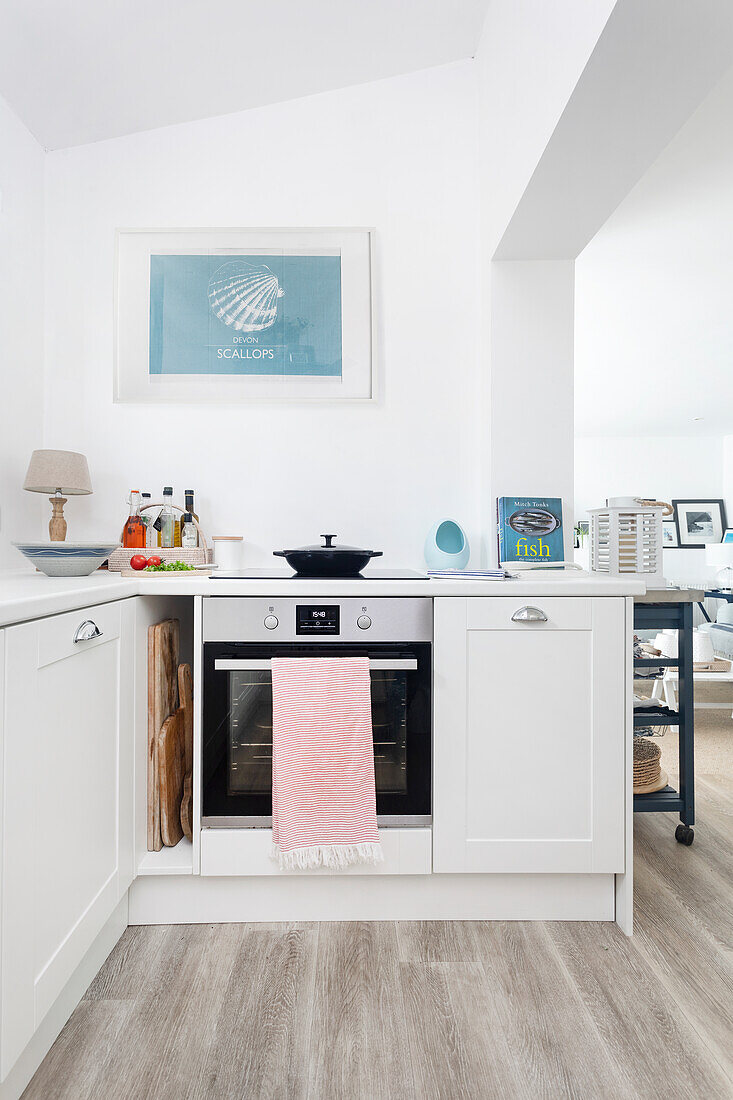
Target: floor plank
{"x":359,"y":1044}
{"x":448,"y":1060}
{"x":260,"y":1043}
{"x":716,"y":792}
{"x":132,"y":962}
{"x":549,"y":1031}
{"x":430,"y":941}
{"x":75,"y":1065}
{"x":688,"y":961}
{"x":699,"y":877}
{"x":650,"y":1044}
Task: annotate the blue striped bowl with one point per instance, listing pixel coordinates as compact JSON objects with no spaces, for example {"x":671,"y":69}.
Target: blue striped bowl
{"x":67,"y":559}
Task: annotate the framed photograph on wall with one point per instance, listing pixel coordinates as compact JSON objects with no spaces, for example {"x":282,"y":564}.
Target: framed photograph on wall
{"x":227,"y":315}
{"x":728,"y":536}
{"x":699,"y":522}
{"x":669,"y":534}
{"x":581,"y":533}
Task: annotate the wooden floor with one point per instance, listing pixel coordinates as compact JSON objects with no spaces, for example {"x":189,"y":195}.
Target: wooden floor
{"x":453,"y":1010}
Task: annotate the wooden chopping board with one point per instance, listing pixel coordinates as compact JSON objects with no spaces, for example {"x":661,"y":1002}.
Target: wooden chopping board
{"x":185,"y":694}
{"x":185,"y":699}
{"x":171,"y":770}
{"x":163,"y":648}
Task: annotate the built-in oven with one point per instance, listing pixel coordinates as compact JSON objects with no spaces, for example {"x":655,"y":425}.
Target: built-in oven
{"x":241,"y":637}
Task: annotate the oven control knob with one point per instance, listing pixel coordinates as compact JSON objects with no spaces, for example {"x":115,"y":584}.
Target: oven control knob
{"x":271,"y":621}
{"x":363,"y":622}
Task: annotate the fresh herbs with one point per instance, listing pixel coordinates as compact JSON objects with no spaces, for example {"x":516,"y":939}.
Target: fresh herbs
{"x":169,"y":567}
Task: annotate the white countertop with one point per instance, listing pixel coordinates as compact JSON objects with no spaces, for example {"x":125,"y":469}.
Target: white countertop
{"x":31,"y":595}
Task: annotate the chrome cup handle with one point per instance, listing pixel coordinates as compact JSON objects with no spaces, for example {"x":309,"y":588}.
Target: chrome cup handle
{"x":529,"y":615}
{"x":86,"y":631}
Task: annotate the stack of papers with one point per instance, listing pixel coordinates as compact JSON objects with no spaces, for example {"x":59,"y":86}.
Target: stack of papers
{"x":472,"y":574}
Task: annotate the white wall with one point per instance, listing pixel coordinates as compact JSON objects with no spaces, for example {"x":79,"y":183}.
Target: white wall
{"x":21,"y":330}
{"x":530,"y":424}
{"x":658,"y":467}
{"x":654,"y":327}
{"x":399,"y":155}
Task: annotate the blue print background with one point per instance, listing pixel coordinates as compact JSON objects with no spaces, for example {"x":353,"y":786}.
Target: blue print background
{"x":186,"y":336}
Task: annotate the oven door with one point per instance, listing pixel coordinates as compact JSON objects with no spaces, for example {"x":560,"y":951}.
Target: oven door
{"x":237,"y":730}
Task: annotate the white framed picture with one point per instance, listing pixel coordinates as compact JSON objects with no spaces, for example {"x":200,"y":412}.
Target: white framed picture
{"x":669,"y":534}
{"x":228,"y":315}
{"x":699,"y":522}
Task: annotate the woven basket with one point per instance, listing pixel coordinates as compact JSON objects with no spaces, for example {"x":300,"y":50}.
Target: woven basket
{"x":119,"y":559}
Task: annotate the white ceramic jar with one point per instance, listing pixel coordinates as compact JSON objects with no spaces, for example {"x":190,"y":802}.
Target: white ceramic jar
{"x":227,"y":551}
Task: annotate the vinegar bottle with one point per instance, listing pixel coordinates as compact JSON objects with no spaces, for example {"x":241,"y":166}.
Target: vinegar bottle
{"x":167,"y":520}
{"x":133,"y":535}
{"x":146,"y":517}
{"x":188,"y":505}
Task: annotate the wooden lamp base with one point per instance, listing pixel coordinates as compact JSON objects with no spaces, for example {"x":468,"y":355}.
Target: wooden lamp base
{"x":57,"y":523}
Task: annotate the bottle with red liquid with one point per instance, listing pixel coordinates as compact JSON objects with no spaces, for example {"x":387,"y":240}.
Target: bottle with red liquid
{"x":133,"y":535}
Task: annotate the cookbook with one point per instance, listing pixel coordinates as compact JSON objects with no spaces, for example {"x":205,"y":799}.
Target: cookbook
{"x":530,"y":530}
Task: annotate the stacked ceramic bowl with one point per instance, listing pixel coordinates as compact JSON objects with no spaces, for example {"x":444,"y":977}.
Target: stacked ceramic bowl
{"x":66,"y":559}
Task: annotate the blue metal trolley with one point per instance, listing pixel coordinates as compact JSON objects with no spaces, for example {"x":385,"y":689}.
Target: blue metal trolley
{"x":675,"y":616}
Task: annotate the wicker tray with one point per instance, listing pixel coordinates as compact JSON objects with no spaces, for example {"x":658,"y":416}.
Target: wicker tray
{"x":119,"y":559}
{"x":658,"y":785}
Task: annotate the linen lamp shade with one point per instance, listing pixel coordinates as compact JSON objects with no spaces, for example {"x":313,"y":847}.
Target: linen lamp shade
{"x":702,"y":647}
{"x":720,"y":555}
{"x":61,"y":474}
{"x":63,"y":471}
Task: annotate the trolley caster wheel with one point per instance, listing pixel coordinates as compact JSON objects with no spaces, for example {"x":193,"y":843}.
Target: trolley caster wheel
{"x":683,"y":834}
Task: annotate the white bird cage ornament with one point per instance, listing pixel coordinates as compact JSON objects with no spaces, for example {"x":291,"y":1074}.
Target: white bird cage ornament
{"x":626,"y":539}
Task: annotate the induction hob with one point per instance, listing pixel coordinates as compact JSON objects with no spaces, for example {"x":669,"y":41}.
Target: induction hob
{"x":288,"y":575}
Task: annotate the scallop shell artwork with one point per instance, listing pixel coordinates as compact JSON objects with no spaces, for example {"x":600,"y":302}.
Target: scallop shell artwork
{"x":244,"y":296}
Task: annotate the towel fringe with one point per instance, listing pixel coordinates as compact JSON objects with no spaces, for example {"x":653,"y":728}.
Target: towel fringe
{"x":334,"y":856}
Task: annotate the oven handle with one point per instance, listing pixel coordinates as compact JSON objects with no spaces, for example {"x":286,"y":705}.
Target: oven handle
{"x":237,"y":664}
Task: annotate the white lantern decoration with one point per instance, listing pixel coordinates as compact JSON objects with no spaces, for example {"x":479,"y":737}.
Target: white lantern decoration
{"x":626,"y":539}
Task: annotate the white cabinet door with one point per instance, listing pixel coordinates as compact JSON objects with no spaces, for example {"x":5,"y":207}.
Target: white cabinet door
{"x":67,"y":805}
{"x":529,"y":735}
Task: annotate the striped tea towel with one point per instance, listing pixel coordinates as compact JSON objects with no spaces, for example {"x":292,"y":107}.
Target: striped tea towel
{"x":324,"y":806}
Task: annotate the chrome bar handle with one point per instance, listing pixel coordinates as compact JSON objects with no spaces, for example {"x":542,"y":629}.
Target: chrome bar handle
{"x":86,"y":631}
{"x":232,"y":664}
{"x":529,"y":615}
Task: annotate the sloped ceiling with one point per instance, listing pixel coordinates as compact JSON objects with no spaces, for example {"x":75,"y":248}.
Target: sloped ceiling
{"x":87,"y":70}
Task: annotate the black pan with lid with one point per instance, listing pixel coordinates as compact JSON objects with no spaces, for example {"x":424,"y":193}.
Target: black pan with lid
{"x":328,"y":560}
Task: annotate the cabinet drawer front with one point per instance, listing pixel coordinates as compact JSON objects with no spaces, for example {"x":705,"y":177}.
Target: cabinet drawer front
{"x":247,"y":852}
{"x":506,"y":613}
{"x":56,"y":634}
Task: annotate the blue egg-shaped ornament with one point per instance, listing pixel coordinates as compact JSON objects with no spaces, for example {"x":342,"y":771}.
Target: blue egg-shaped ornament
{"x":446,"y":546}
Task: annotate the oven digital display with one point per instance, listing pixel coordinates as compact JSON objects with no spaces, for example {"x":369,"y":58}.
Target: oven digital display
{"x":310,"y":619}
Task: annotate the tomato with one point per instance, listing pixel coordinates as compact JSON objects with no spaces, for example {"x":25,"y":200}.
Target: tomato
{"x":138,"y":561}
{"x":154,"y":560}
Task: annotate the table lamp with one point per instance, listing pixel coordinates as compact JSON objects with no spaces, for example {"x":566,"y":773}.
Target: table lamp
{"x":720,"y":554}
{"x":62,"y":474}
{"x":703,"y":652}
